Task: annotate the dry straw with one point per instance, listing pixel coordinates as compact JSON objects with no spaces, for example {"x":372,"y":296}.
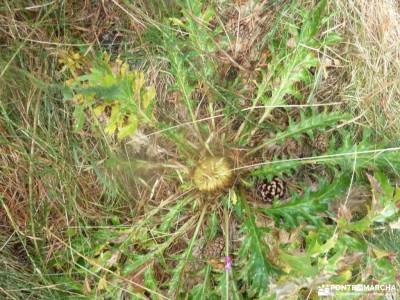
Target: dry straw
{"x":371,"y":30}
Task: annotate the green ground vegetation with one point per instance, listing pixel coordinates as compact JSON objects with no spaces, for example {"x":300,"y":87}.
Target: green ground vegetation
{"x":134,"y":136}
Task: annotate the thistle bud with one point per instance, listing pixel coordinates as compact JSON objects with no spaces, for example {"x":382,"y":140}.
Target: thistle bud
{"x":213,"y":174}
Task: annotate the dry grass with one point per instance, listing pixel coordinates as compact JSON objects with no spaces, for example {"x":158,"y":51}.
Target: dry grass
{"x":371,"y":31}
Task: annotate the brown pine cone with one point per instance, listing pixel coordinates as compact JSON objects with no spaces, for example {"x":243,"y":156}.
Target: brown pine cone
{"x":214,"y":248}
{"x":292,"y":148}
{"x":321,"y":142}
{"x":111,"y":40}
{"x":268,"y":191}
{"x":214,"y":253}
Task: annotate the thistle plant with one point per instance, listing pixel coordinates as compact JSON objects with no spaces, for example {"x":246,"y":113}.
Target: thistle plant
{"x":264,"y":245}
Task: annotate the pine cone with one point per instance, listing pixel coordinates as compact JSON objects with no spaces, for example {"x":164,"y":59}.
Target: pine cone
{"x":214,"y":253}
{"x":268,"y":191}
{"x":321,"y":142}
{"x":214,"y":248}
{"x":111,"y":40}
{"x":292,"y":148}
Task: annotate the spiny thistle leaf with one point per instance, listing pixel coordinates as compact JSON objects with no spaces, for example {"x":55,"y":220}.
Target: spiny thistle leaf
{"x":177,"y":273}
{"x":388,"y":240}
{"x":202,"y":291}
{"x":365,"y":154}
{"x":306,"y":207}
{"x":227,"y":287}
{"x":213,"y":226}
{"x":290,"y":66}
{"x":278,"y":167}
{"x":312,"y":22}
{"x":300,"y":265}
{"x":257,"y":269}
{"x":192,"y":55}
{"x":176,"y":279}
{"x":180,"y":71}
{"x":173,"y":214}
{"x":151,"y":281}
{"x":138,"y":260}
{"x":306,"y":125}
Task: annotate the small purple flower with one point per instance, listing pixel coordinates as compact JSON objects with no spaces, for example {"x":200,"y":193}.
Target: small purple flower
{"x":228,"y":263}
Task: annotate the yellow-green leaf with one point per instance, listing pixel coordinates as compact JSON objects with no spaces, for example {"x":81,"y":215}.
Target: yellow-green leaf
{"x":147,"y":97}
{"x":138,"y":82}
{"x":127,"y":129}
{"x":102,"y":285}
{"x":99,"y":109}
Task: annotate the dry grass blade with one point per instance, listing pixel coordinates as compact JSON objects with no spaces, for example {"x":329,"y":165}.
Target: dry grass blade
{"x":372,"y":32}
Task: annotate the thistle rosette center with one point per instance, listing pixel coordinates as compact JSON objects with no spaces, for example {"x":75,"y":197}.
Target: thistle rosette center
{"x":213,"y":174}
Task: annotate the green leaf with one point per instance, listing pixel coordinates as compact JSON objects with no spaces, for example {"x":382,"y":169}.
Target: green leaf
{"x":124,"y":91}
{"x":67,"y":92}
{"x":312,"y":23}
{"x":173,"y":214}
{"x":362,"y":155}
{"x":315,"y":248}
{"x":227,"y":287}
{"x":306,"y":124}
{"x":203,"y":290}
{"x":332,"y":38}
{"x":151,"y":282}
{"x":128,"y":129}
{"x":278,"y":167}
{"x":307,"y":206}
{"x":183,"y":258}
{"x":212,"y":226}
{"x":300,"y":265}
{"x":257,"y":269}
{"x":148,"y":97}
{"x":107,"y":93}
{"x":79,"y":117}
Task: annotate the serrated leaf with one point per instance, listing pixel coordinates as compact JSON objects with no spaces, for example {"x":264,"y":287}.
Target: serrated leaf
{"x":312,"y":22}
{"x":307,"y":206}
{"x":176,"y":279}
{"x":150,"y":281}
{"x":202,"y":291}
{"x":138,"y":82}
{"x":300,"y":265}
{"x":257,"y":269}
{"x":332,"y":38}
{"x":113,"y":84}
{"x":315,"y":248}
{"x":173,"y":213}
{"x":277,"y":167}
{"x":306,"y":124}
{"x":315,"y":121}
